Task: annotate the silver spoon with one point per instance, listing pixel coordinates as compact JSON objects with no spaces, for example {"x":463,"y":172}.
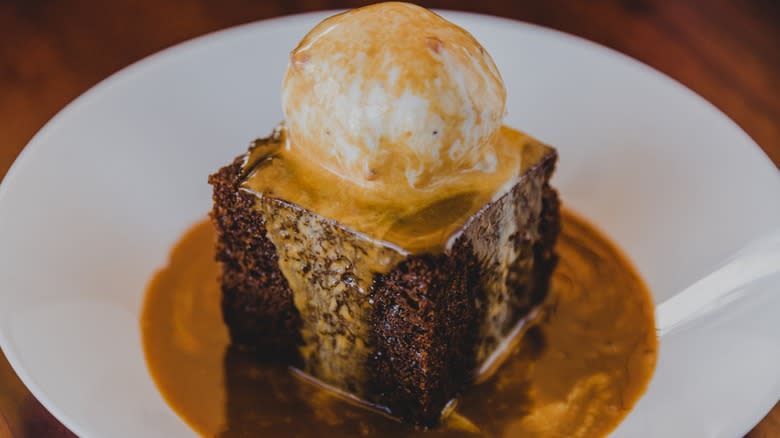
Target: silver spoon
{"x":732,"y":281}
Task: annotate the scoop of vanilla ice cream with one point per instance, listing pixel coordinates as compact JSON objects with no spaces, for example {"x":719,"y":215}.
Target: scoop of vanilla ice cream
{"x":392,"y":95}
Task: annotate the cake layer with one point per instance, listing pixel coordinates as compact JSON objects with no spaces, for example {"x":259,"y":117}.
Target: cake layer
{"x":402,"y":331}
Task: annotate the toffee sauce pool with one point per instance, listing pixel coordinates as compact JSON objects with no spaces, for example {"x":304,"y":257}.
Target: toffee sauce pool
{"x":576,"y":371}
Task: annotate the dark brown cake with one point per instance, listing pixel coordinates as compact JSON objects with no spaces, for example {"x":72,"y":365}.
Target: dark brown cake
{"x":406,"y":338}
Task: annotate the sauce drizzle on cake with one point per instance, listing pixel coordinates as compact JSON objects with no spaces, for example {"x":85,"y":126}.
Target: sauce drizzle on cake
{"x":418,"y":223}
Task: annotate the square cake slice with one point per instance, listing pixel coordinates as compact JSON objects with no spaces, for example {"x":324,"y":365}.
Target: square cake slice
{"x":402,"y":331}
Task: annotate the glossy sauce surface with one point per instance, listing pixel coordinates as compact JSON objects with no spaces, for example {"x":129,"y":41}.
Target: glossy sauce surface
{"x":419,"y":221}
{"x":575,"y":372}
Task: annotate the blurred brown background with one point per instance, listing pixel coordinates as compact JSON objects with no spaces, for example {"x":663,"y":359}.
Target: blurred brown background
{"x":52,"y":51}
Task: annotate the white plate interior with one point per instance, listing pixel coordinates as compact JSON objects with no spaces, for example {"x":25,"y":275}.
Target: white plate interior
{"x":93,"y":205}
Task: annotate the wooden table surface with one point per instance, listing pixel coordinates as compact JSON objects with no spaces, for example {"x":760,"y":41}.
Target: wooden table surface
{"x":52,"y":51}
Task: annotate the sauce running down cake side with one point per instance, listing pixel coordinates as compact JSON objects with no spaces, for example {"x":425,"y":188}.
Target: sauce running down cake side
{"x":576,"y":370}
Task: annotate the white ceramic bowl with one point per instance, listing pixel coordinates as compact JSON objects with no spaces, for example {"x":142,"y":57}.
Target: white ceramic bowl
{"x":94,"y":203}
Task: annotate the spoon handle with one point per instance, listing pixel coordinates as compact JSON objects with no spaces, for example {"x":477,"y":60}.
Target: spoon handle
{"x":754,"y":262}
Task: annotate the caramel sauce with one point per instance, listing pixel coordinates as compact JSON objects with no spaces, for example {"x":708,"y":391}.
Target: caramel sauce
{"x":575,"y":372}
{"x":419,"y":221}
